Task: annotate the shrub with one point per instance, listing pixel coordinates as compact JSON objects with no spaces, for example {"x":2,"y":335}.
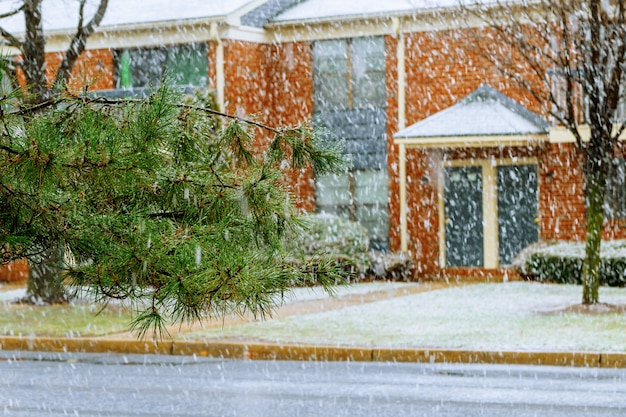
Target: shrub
{"x":390,"y":266}
{"x":327,"y":236}
{"x":562,"y":262}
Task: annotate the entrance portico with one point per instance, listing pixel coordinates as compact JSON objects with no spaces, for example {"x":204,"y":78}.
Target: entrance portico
{"x":487,"y":205}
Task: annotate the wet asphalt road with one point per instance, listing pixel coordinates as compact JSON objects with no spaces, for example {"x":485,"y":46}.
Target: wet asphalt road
{"x":48,"y":384}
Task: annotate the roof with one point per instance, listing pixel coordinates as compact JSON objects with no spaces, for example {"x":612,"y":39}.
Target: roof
{"x":266,"y":12}
{"x":320,"y":10}
{"x":485,"y":112}
{"x":62,"y":15}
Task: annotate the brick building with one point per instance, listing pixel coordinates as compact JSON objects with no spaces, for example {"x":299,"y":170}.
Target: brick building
{"x":434,"y":172}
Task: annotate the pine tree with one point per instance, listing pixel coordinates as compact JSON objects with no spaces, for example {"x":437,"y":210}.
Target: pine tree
{"x":157,"y":202}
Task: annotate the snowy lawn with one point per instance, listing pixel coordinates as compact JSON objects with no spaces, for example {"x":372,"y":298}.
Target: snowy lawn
{"x":61,"y":320}
{"x":516,"y":315}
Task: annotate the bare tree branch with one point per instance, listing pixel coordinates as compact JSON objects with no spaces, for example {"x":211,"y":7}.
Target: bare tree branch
{"x":12,"y":12}
{"x":79,"y":40}
{"x":11,"y":40}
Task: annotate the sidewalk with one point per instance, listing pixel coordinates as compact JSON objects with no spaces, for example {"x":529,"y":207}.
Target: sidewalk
{"x":250,"y":349}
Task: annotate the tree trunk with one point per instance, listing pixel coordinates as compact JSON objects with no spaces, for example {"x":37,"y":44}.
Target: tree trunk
{"x":45,"y":281}
{"x":35,"y":53}
{"x":596,"y":173}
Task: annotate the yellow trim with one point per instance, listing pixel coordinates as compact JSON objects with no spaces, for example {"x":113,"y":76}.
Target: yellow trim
{"x":561,"y":134}
{"x":139,"y":36}
{"x":401,"y":62}
{"x":442,"y":213}
{"x":471,"y":141}
{"x":219,"y":66}
{"x":372,"y":25}
{"x":530,"y":160}
{"x":404,"y":246}
{"x":490,"y":215}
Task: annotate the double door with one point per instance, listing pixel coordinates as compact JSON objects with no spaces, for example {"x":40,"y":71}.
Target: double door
{"x":489,"y":213}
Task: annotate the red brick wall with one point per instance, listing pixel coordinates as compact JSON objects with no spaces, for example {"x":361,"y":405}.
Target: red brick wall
{"x":14,"y":272}
{"x":274,"y":84}
{"x":561,"y":198}
{"x":423,"y":209}
{"x":246,"y":68}
{"x":291,"y":97}
{"x":441,"y":69}
{"x":94,"y":70}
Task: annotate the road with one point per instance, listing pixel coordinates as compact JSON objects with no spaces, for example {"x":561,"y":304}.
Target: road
{"x":48,"y":384}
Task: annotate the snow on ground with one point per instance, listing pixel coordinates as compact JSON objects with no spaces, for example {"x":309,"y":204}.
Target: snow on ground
{"x":518,"y":315}
{"x":11,"y":295}
{"x":318,"y":293}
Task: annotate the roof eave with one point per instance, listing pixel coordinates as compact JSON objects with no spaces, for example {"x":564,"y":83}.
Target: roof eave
{"x":472,"y":141}
{"x":353,"y":17}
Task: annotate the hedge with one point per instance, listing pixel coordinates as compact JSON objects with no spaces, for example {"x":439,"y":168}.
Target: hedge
{"x":562,"y":262}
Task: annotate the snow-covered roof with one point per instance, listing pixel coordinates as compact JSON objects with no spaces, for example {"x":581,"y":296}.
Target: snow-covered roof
{"x":485,"y":112}
{"x":320,"y":10}
{"x":262,"y":14}
{"x":62,"y":15}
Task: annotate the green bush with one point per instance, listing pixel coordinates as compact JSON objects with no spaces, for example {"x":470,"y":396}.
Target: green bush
{"x":390,"y":266}
{"x":326,"y":236}
{"x":329,"y":237}
{"x":562,"y":262}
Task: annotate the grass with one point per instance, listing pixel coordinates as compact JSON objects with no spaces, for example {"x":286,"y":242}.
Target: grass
{"x":510,"y":316}
{"x":518,"y":315}
{"x":61,"y":320}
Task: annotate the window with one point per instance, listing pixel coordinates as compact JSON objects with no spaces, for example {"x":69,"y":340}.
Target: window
{"x":349,"y":73}
{"x":360,"y":195}
{"x":186,"y":65}
{"x":615,"y":199}
{"x":350,"y":103}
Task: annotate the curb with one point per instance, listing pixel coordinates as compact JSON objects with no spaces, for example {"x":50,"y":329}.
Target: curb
{"x":265,"y":351}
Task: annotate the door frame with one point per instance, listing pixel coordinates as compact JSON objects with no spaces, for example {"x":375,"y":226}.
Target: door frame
{"x":490,"y":204}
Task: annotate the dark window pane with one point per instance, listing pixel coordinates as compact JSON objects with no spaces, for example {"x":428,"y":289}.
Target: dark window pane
{"x":333,"y":190}
{"x":331,"y":92}
{"x":369,"y":90}
{"x":188,"y":65}
{"x":146,"y":67}
{"x":517,"y":209}
{"x":330,"y":75}
{"x":463,"y":204}
{"x":368,"y":72}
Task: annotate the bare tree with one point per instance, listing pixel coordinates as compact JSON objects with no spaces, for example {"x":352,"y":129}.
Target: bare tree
{"x":44,"y":283}
{"x":570,"y":56}
{"x":32,"y":45}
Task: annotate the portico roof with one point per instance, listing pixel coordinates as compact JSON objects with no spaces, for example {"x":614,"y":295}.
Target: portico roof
{"x":486,"y":117}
